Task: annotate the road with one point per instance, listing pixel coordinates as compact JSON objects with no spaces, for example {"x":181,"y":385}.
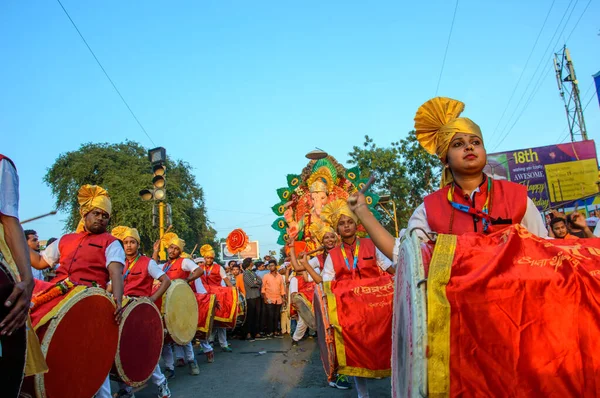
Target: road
{"x":282,"y":372}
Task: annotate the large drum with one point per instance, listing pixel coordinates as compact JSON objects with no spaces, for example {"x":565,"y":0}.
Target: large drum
{"x":227,"y":306}
{"x":506,"y":314}
{"x":79,"y":338}
{"x":180,"y":311}
{"x":206,"y":314}
{"x":304,"y":308}
{"x":13,"y":348}
{"x":409,"y":327}
{"x":325,"y":333}
{"x":140,"y":342}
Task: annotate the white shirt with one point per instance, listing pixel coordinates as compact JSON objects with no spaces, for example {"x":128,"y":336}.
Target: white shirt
{"x":9,"y":189}
{"x":200,"y":286}
{"x":154,"y":269}
{"x":294,"y":284}
{"x":314,"y":262}
{"x":113,"y":253}
{"x":189,"y":265}
{"x":328,"y":273}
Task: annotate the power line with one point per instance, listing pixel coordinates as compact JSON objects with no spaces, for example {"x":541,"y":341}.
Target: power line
{"x":524,"y":68}
{"x":446,"y":51}
{"x":105,"y":73}
{"x":548,"y":47}
{"x":579,"y":19}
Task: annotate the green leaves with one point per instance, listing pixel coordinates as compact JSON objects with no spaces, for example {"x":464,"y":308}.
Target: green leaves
{"x":123,"y":169}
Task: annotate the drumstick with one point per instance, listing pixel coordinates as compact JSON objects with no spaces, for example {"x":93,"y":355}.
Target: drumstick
{"x":53,"y":212}
{"x":193,"y":250}
{"x":316,"y":250}
{"x":352,"y":199}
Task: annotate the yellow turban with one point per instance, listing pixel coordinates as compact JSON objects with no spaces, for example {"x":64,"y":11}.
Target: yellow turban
{"x":171,"y":238}
{"x":122,"y":232}
{"x":90,"y":197}
{"x":207,"y":251}
{"x":436,"y":122}
{"x":332,"y":212}
{"x":319,"y":229}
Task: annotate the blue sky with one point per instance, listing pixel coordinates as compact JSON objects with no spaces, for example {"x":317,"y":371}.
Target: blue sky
{"x":243,"y":90}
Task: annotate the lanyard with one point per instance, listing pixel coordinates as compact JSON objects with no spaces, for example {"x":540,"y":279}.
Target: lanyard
{"x":483,"y":213}
{"x":130,"y":267}
{"x":167,"y":266}
{"x":209,"y":270}
{"x":355,"y":259}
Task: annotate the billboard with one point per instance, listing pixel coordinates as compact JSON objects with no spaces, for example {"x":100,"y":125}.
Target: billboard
{"x":553,"y":174}
{"x":251,"y":251}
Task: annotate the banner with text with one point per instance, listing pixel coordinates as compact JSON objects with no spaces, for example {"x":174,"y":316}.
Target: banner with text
{"x":553,"y":174}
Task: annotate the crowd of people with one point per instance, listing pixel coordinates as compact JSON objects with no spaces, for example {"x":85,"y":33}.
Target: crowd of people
{"x":468,"y":201}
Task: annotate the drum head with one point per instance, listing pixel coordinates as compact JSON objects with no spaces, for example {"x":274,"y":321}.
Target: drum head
{"x":140,"y":342}
{"x":409,"y":326}
{"x":79,"y":345}
{"x":180,"y":312}
{"x":14,"y":347}
{"x":324,"y":334}
{"x":304,"y":310}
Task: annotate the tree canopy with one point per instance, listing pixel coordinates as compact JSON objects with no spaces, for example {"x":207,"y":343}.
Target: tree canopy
{"x":404,"y":170}
{"x":123,"y":170}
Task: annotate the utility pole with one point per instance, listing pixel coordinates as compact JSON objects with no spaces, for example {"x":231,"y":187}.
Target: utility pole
{"x":565,"y":73}
{"x":158,"y":158}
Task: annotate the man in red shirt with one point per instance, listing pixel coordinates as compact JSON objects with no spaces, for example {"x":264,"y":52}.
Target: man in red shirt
{"x":215,"y":275}
{"x":273,"y":294}
{"x":139,"y":275}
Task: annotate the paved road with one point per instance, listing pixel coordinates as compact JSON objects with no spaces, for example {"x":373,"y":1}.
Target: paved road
{"x":281,"y":372}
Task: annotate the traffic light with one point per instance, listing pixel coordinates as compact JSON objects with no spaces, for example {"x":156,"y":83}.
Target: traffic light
{"x":158,"y":158}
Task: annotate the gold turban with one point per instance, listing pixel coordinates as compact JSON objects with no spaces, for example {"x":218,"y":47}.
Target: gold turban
{"x":436,"y":123}
{"x":171,"y":238}
{"x":90,"y":197}
{"x":332,"y":212}
{"x":319,"y":229}
{"x":122,"y":232}
{"x":207,"y":251}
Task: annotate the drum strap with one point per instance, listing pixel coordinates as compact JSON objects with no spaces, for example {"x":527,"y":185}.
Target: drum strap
{"x":355,"y":259}
{"x":130,"y":267}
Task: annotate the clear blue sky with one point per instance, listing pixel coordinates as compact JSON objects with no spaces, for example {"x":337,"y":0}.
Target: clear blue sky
{"x":243,"y":90}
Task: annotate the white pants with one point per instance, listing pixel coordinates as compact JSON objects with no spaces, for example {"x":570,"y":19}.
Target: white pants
{"x":222,"y":333}
{"x":167,"y":354}
{"x":362,"y":387}
{"x":206,"y":347}
{"x":104,"y":391}
{"x":157,"y":378}
{"x":301,"y":327}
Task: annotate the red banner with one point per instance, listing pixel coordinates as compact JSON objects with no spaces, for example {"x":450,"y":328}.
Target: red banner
{"x":513,"y":315}
{"x":226,"y":305}
{"x":360,"y":312}
{"x":206,"y":304}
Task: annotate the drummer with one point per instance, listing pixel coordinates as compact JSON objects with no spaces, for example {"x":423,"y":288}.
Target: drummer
{"x":468,"y":200}
{"x":101,"y":256}
{"x":327,"y":237}
{"x":179,"y":268}
{"x":214,"y":275}
{"x":139,"y":274}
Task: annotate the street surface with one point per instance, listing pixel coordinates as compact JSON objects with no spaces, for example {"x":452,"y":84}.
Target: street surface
{"x":282,"y":372}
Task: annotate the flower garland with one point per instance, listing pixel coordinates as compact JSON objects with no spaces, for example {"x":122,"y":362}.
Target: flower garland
{"x":59,"y":289}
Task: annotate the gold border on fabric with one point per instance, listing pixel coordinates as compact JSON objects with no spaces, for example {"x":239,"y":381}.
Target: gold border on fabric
{"x":127,"y":310}
{"x":438,"y":320}
{"x":210,"y":317}
{"x":234,"y":308}
{"x":340,"y":347}
{"x":65,"y":305}
{"x":54,"y":311}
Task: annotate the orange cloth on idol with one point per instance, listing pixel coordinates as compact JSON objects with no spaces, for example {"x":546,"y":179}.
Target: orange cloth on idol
{"x":273,"y":287}
{"x":239,"y":283}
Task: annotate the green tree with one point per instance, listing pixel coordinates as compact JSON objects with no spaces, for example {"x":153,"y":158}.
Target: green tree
{"x":123,"y":169}
{"x":404,"y":170}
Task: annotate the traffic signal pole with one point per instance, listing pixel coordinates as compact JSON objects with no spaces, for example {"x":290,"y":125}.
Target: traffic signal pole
{"x":161,"y":229}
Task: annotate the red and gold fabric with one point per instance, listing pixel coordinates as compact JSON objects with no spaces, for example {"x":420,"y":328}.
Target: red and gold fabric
{"x":508,"y":203}
{"x":513,"y":315}
{"x":212,"y":275}
{"x":360,"y":311}
{"x":227,"y":299}
{"x":306,"y":289}
{"x":206,"y":311}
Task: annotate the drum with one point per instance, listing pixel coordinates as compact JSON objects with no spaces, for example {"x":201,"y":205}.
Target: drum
{"x":79,"y":338}
{"x":180,"y":311}
{"x":13,"y":348}
{"x":227,"y":306}
{"x":304,"y":308}
{"x":241,"y":317}
{"x":409,"y":325}
{"x":140,"y":342}
{"x":324,"y":333}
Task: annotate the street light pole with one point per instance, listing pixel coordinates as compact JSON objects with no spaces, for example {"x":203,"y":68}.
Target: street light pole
{"x":161,"y":229}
